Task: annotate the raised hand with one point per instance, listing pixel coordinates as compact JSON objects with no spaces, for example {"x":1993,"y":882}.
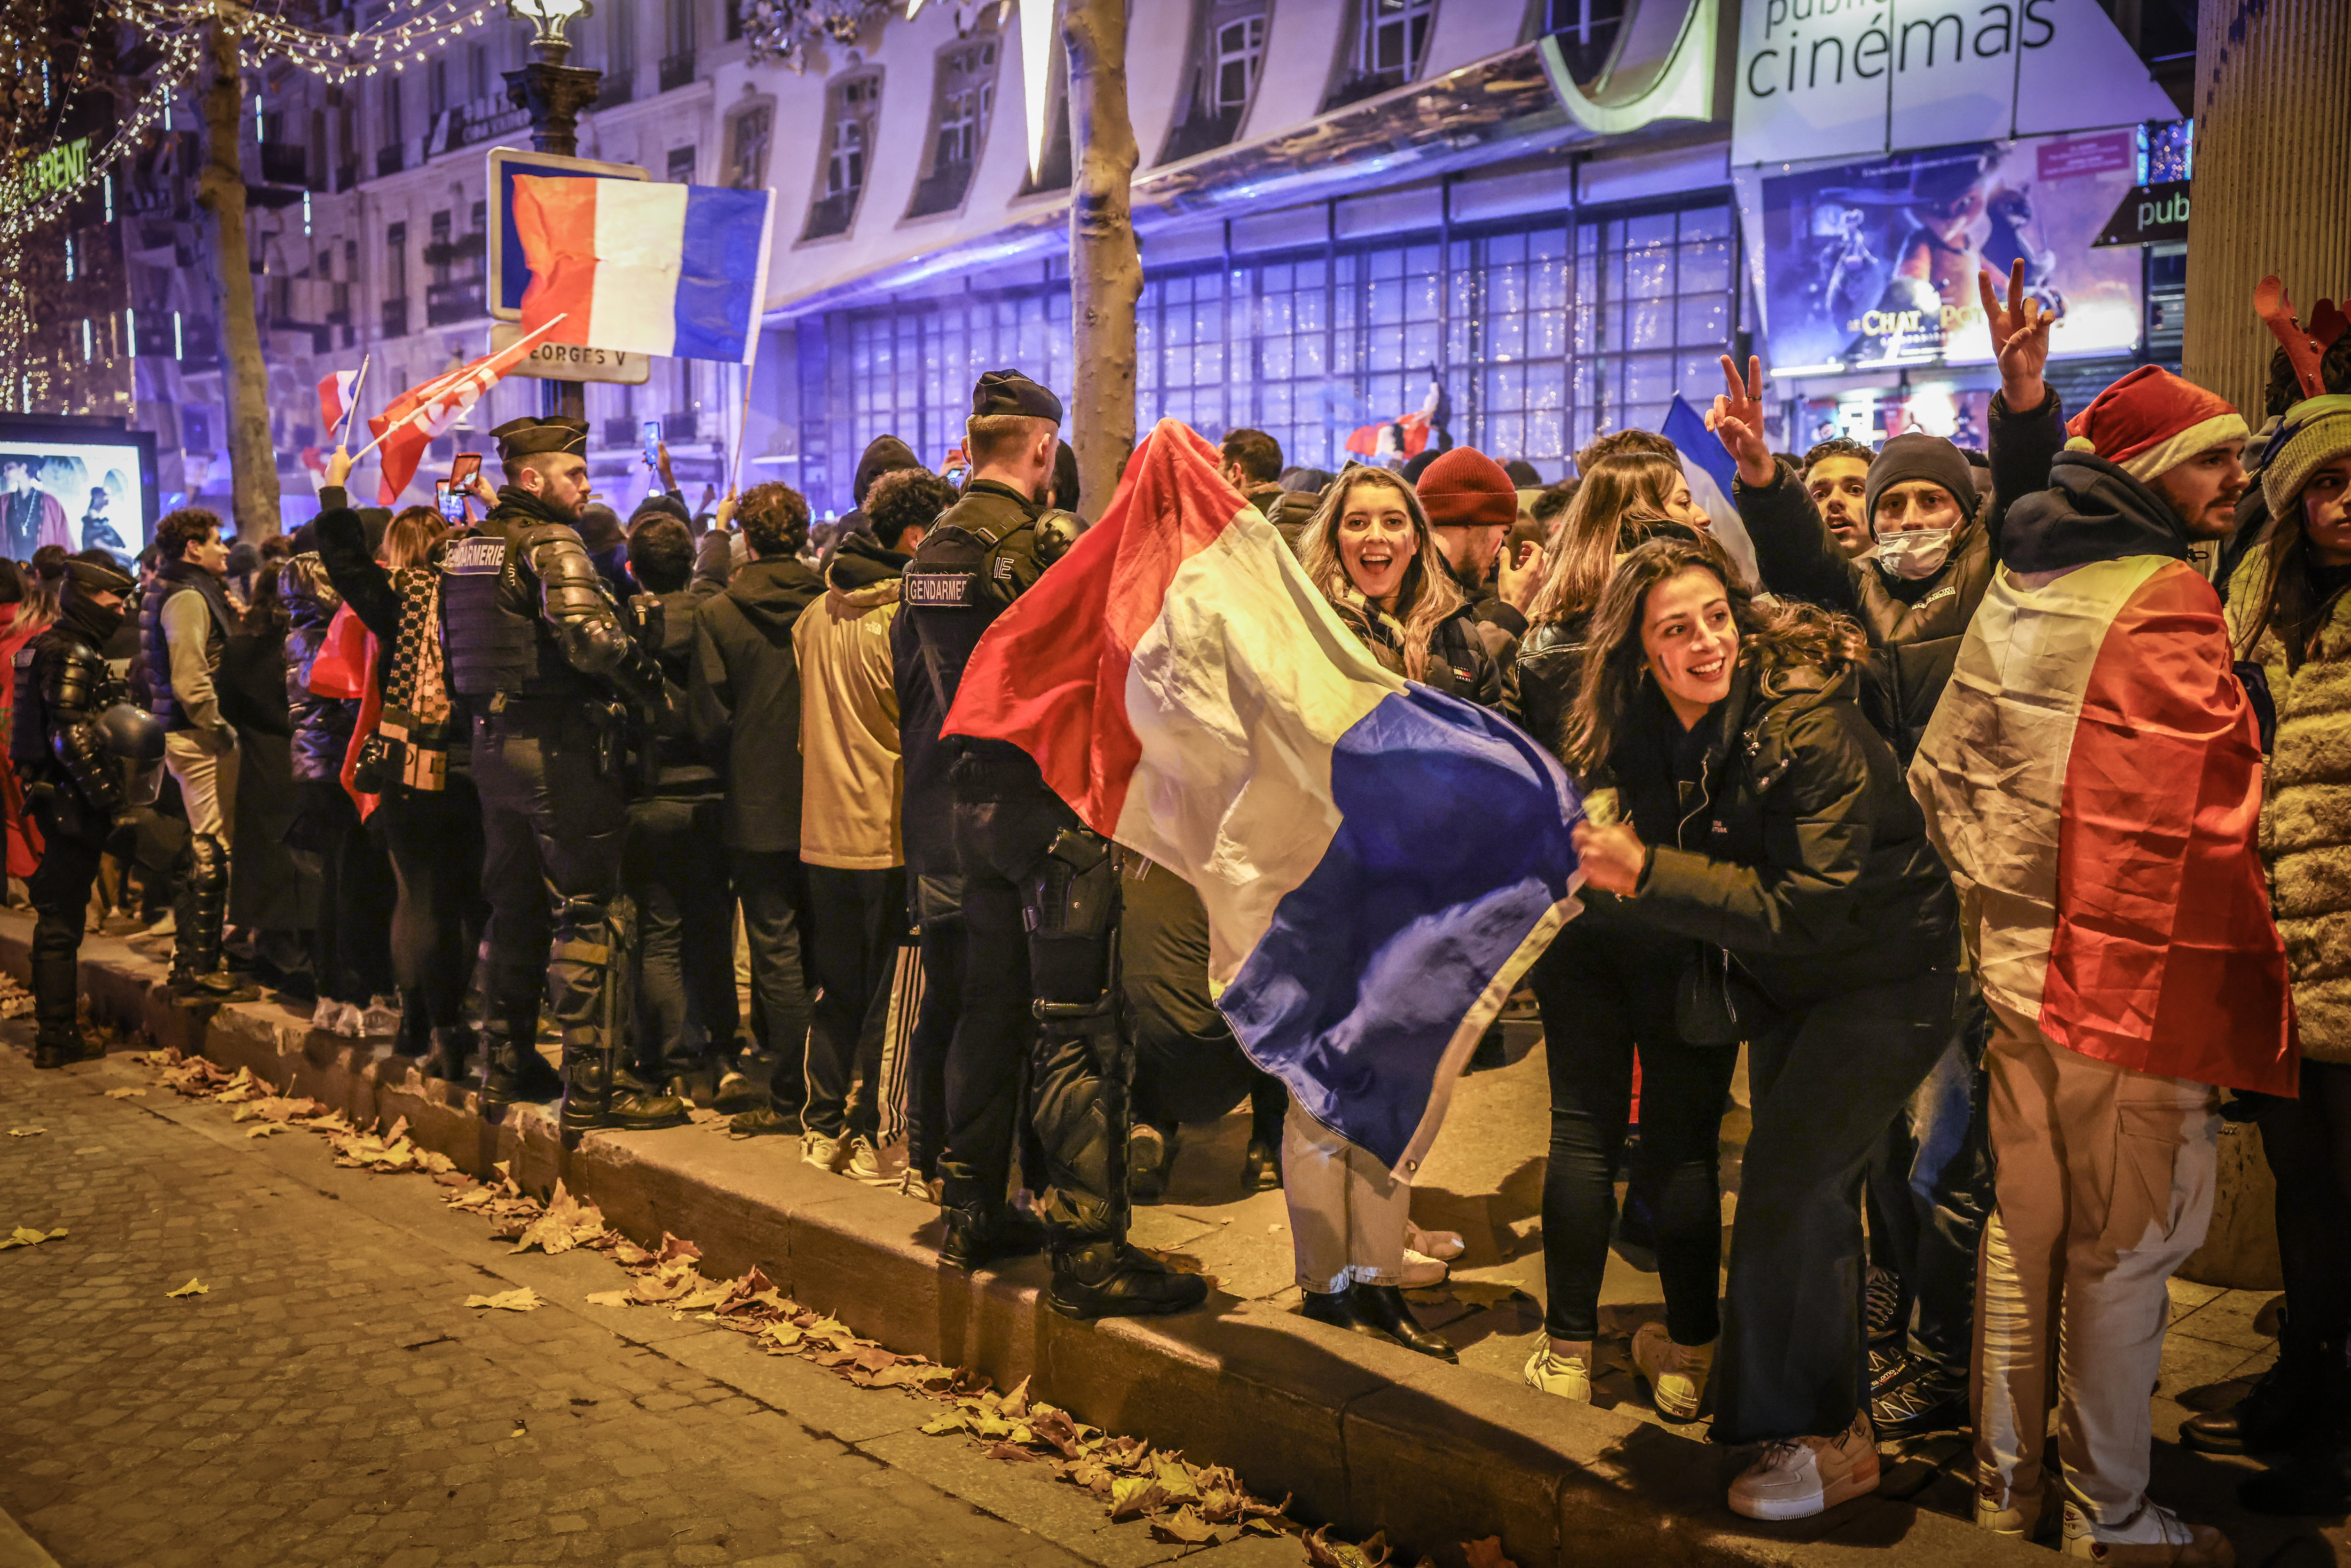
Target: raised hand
{"x":339,"y":468}
{"x":725,"y":518}
{"x":2020,"y":339}
{"x":1519,"y":575}
{"x":1737,"y":420}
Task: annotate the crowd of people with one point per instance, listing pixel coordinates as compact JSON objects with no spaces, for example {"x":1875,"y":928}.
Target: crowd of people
{"x":1993,"y":819}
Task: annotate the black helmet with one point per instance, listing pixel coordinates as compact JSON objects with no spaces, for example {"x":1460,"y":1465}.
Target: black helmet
{"x":1056,"y":532}
{"x":132,"y":733}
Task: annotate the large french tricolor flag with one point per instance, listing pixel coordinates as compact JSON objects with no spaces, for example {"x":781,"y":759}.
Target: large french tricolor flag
{"x":675,"y":271}
{"x":2093,"y":779}
{"x":1379,"y":861}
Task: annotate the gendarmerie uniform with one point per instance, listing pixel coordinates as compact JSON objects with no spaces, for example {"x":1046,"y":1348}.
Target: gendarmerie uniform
{"x":536,"y":648}
{"x":1040,"y":910}
{"x":73,"y":727}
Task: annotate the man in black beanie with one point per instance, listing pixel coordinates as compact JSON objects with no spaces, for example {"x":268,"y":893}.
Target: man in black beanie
{"x":65,"y":744}
{"x":1039,"y":902}
{"x":539,"y":653}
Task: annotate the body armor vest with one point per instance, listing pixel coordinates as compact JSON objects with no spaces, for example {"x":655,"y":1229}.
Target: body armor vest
{"x":491,"y":627}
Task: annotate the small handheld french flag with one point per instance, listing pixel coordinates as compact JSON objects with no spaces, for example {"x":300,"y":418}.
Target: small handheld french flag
{"x":675,"y":271}
{"x":335,"y":395}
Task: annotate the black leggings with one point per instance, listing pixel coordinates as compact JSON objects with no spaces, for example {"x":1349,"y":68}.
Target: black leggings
{"x":436,"y":839}
{"x":2308,"y":1143}
{"x":1606,"y":992}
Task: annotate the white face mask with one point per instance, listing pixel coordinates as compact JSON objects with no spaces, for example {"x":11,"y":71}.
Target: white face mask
{"x":1916,"y":553}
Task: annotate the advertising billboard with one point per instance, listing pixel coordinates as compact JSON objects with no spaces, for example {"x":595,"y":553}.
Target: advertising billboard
{"x":1874,"y":263}
{"x":76,"y":487}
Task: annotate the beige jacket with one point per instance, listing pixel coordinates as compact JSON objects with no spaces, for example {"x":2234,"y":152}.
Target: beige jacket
{"x":854,"y":779}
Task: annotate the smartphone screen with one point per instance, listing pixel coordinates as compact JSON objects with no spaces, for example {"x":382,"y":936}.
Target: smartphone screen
{"x":652,"y":443}
{"x":461,"y":470}
{"x":451,"y":501}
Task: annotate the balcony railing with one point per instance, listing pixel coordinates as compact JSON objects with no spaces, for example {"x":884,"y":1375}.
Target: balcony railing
{"x":395,"y":317}
{"x":459,"y":300}
{"x":676,"y":71}
{"x":283,"y":164}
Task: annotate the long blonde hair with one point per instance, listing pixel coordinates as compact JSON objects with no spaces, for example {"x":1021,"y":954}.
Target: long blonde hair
{"x":1427,"y":595}
{"x":409,"y":539}
{"x":1620,"y":503}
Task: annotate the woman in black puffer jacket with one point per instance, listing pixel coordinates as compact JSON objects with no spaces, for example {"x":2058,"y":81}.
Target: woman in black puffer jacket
{"x":1605,"y":986}
{"x":351,"y":941}
{"x":1766,"y":824}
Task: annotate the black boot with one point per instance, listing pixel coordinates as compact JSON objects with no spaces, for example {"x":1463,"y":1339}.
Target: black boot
{"x":512,"y":1068}
{"x":2287,"y":1408}
{"x":213,"y":989}
{"x":1150,"y":1155}
{"x":1340,"y":1309}
{"x":62,"y":1049}
{"x":978,"y":1236}
{"x":1105,"y":1278}
{"x":2303,"y":1484}
{"x":451,"y":1056}
{"x":1385,"y":1306}
{"x":413,"y":1037}
{"x":593,"y":1097}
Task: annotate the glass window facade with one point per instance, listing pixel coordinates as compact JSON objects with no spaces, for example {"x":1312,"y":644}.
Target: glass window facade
{"x":1545,"y":331}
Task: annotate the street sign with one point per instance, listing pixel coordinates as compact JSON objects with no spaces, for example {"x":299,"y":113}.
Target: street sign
{"x":509,"y":273}
{"x":570,"y":362}
{"x":2149,"y":215}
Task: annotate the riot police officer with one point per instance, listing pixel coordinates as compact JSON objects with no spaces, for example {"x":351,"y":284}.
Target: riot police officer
{"x":73,"y":727}
{"x":538,"y":650}
{"x":1040,"y":896}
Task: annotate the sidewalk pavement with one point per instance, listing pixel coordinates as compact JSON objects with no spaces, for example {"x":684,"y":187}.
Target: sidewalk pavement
{"x":1363,"y":1435}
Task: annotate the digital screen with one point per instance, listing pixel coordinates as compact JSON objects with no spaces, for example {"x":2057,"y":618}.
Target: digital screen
{"x":79,"y":488}
{"x":1874,"y":263}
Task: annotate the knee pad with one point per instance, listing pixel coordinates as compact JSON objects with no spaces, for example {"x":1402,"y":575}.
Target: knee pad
{"x":207,"y":863}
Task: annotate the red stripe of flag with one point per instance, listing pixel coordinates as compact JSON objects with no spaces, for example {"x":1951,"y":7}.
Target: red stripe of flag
{"x":2165,"y":959}
{"x":1049,"y":676}
{"x":556,"y":220}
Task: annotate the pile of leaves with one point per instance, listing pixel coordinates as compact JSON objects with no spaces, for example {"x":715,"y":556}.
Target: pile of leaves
{"x":15,"y":1002}
{"x":1181,"y":1501}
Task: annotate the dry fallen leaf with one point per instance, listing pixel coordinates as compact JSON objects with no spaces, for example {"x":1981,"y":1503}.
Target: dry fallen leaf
{"x":267,"y":1128}
{"x":26,"y":1131}
{"x":1487,"y":1553}
{"x":520,"y":1431}
{"x":608,"y":1299}
{"x":193,"y":1288}
{"x":123,"y":1093}
{"x":26,"y":1236}
{"x":521,"y":1299}
{"x":1184,"y":1527}
{"x":1324,"y":1553}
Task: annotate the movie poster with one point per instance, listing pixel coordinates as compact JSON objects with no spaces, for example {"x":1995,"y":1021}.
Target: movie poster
{"x":78,"y":494}
{"x":1874,"y":263}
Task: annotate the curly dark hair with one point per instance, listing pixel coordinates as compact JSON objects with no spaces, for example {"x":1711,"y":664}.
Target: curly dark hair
{"x":775,"y":518}
{"x":1789,"y":635}
{"x":661,"y":551}
{"x":183,"y":527}
{"x":905,"y":498}
{"x":1838,"y":446}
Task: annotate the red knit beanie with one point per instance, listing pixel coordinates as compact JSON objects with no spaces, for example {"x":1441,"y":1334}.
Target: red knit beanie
{"x":1468,"y":490}
{"x":2150,"y":422}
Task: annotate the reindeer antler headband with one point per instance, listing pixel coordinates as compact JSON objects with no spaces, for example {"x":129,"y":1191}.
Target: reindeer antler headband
{"x":2304,"y":349}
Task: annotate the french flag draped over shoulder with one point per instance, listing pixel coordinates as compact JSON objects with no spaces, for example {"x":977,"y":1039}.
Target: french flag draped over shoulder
{"x":674,"y":270}
{"x":1379,"y":861}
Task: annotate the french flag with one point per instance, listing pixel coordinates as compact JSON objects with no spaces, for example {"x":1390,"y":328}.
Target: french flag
{"x":335,"y":395}
{"x":674,"y":270}
{"x":1379,"y":861}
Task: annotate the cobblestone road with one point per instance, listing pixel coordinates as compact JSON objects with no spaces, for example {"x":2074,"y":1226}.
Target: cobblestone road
{"x":332,"y":1400}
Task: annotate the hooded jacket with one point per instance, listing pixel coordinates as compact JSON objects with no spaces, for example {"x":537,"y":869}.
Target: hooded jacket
{"x":1792,"y":843}
{"x":323,"y":725}
{"x":853,"y":776}
{"x":745,"y":698}
{"x":883,"y":454}
{"x":2306,"y":821}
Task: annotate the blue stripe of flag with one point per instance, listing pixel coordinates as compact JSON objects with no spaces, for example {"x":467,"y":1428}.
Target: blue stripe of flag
{"x":718,"y":272}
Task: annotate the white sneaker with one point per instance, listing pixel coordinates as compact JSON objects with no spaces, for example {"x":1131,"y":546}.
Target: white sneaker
{"x":912,"y":1185}
{"x":1443,"y":1245}
{"x":2018,"y":1516}
{"x":1420,"y":1271}
{"x":166,"y":925}
{"x":340,"y":1018}
{"x":819,"y":1151}
{"x":1569,"y":1375}
{"x":1676,"y":1373}
{"x":868,"y":1164}
{"x":378,"y":1020}
{"x":1797,"y":1478}
{"x":2154,"y":1538}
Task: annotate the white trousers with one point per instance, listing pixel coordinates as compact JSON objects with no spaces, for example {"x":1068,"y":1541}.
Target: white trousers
{"x":2104,"y":1186}
{"x":1347,"y":1213}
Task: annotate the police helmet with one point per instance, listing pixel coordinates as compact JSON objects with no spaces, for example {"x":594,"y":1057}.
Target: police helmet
{"x":132,"y":733}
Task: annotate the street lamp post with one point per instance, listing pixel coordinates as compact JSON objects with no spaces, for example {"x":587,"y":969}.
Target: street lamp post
{"x":555,"y":93}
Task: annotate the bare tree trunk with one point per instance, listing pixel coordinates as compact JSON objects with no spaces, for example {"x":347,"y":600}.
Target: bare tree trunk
{"x":1105,"y":269}
{"x":245,"y":379}
{"x":2272,"y":182}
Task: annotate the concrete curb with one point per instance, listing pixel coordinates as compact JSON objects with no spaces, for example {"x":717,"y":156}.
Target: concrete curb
{"x":1364,"y":1434}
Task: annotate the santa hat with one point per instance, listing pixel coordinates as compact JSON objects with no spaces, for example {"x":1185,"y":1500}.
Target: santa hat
{"x":2151,"y":421}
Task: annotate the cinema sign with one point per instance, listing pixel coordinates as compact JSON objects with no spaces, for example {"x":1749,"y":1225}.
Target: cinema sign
{"x":1845,"y":78}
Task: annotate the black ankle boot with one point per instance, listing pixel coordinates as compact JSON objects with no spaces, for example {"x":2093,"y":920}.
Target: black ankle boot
{"x":1107,"y":1279}
{"x":512,"y":1068}
{"x":594,"y":1096}
{"x":450,"y":1059}
{"x":1385,"y":1306}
